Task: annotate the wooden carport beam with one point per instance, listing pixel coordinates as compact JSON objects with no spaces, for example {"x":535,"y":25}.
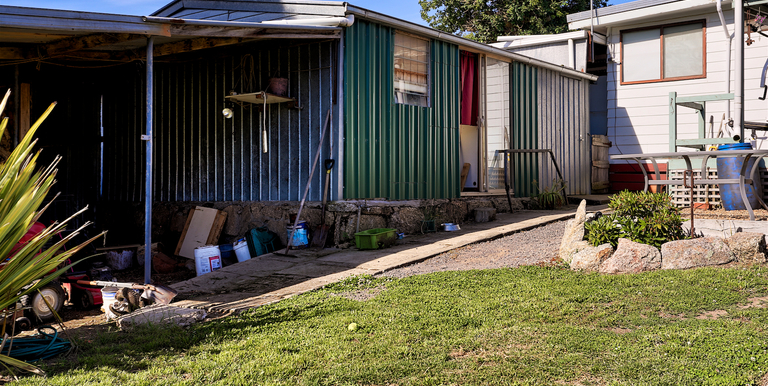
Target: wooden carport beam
{"x":65,"y":46}
{"x":194,"y":45}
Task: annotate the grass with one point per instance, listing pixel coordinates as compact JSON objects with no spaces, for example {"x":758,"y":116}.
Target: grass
{"x":531,"y":325}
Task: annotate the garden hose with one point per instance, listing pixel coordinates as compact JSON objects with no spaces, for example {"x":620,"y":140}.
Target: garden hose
{"x":40,"y":346}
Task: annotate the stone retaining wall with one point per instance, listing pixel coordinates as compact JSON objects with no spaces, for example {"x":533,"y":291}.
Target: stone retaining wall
{"x":126,"y":221}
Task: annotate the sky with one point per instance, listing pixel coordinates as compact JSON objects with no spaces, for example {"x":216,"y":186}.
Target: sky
{"x":403,"y":9}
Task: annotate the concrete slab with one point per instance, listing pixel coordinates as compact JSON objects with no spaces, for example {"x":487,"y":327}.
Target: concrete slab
{"x":158,"y":314}
{"x":271,"y":278}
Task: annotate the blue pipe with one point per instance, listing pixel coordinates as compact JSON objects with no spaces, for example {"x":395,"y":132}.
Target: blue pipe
{"x":148,"y":182}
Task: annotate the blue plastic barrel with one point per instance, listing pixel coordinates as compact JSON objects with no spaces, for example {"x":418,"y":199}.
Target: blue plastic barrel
{"x":730,"y":168}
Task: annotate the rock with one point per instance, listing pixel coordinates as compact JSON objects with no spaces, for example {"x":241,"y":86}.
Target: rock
{"x":234,"y":225}
{"x":590,"y":258}
{"x":701,"y":252}
{"x":748,"y":247}
{"x":160,"y":314}
{"x":574,"y":232}
{"x":632,"y":257}
{"x":407,"y":220}
{"x":485,"y":214}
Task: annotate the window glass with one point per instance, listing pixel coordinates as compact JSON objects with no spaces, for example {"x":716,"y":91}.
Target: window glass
{"x":683,"y":51}
{"x":663,"y":53}
{"x":641,"y":55}
{"x":411,"y":77}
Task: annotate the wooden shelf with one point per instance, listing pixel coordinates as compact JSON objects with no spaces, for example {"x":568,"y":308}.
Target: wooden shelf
{"x":258,"y":98}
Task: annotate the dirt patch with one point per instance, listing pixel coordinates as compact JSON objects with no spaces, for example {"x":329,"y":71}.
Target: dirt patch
{"x":620,"y":331}
{"x":362,"y":295}
{"x":722,"y":214}
{"x":712,"y":315}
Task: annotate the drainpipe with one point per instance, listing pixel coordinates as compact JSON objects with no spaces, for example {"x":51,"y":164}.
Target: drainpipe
{"x":738,"y":21}
{"x":729,"y":37}
{"x":320,"y":21}
{"x":571,"y":54}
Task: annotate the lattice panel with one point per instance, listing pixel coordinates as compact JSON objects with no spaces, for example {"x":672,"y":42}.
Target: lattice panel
{"x":681,"y":196}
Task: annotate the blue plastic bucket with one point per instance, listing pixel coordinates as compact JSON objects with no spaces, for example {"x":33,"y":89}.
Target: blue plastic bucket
{"x":299,"y":236}
{"x":730,"y":168}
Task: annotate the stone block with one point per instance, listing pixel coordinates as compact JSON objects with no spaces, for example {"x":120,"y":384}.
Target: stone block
{"x":236,"y":220}
{"x":485,"y":214}
{"x":407,"y":220}
{"x":632,"y":257}
{"x":158,"y":314}
{"x":590,"y":258}
{"x":700,"y":252}
{"x":574,"y":232}
{"x":748,"y":247}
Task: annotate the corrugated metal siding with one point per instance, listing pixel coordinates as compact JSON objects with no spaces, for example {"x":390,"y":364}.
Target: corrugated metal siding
{"x":525,"y":127}
{"x":200,"y":156}
{"x":564,"y":128}
{"x":392,"y":150}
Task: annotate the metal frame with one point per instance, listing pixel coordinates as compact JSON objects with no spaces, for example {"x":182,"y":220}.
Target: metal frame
{"x":699,"y":103}
{"x":509,"y":169}
{"x":706,"y":155}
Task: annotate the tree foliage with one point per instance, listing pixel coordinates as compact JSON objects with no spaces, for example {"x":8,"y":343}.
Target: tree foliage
{"x":485,"y":20}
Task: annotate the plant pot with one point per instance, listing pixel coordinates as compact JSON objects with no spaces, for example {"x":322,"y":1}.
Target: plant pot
{"x":428,"y":226}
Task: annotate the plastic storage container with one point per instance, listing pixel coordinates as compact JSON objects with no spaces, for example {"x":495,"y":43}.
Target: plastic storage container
{"x":730,"y":168}
{"x":375,"y":238}
{"x":108,"y":298}
{"x":241,"y":251}
{"x":207,"y":259}
{"x":300,"y":239}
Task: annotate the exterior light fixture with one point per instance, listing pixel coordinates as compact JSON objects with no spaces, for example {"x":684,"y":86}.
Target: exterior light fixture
{"x":228,"y":113}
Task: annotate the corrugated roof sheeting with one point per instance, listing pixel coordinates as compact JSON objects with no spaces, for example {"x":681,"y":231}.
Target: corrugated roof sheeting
{"x":525,"y":121}
{"x":398,"y":151}
{"x":564,"y":128}
{"x":199,"y":155}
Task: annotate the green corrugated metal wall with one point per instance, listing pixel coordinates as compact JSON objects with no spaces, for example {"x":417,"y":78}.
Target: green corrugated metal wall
{"x":525,"y":128}
{"x":396,"y":151}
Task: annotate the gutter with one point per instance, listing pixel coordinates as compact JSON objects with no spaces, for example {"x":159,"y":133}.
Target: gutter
{"x":415,"y":28}
{"x":236,"y":24}
{"x":320,"y":21}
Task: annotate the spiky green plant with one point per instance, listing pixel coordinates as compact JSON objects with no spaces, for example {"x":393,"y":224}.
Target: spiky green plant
{"x":23,"y":189}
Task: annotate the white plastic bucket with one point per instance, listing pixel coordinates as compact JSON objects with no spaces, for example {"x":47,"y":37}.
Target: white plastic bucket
{"x":241,"y":251}
{"x":108,"y":298}
{"x":299,"y":235}
{"x":207,"y":259}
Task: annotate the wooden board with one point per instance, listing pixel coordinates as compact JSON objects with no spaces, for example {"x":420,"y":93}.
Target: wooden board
{"x":203,"y":227}
{"x":600,"y":165}
{"x":464,"y":174}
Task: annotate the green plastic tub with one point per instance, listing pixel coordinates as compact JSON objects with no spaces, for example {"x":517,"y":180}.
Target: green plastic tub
{"x":375,"y":238}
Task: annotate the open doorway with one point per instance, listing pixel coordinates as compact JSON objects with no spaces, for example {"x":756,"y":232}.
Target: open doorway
{"x":469,"y":119}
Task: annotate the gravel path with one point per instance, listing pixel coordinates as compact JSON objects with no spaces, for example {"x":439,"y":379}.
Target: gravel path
{"x":539,"y":245}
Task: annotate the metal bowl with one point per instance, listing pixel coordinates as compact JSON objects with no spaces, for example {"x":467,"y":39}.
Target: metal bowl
{"x":451,"y":227}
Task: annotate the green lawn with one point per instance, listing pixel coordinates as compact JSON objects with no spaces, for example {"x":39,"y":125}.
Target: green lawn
{"x":507,"y":326}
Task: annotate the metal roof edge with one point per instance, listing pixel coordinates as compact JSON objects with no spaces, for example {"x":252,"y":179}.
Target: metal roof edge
{"x":415,"y":28}
{"x":664,"y":10}
{"x":76,"y":21}
{"x":618,"y":8}
{"x":237,"y":24}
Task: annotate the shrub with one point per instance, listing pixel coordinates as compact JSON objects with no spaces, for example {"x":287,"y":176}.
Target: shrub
{"x":643,"y":217}
{"x":551,"y":197}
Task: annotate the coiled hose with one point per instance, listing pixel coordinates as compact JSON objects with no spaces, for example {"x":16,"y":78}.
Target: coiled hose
{"x":37,"y":347}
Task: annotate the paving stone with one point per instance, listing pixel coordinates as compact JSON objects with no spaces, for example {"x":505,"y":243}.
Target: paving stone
{"x":158,"y":314}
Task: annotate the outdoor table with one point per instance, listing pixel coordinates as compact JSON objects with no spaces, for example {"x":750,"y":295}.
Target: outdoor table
{"x":705,"y":156}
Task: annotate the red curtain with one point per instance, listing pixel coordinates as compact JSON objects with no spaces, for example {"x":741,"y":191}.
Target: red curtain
{"x":469,"y":97}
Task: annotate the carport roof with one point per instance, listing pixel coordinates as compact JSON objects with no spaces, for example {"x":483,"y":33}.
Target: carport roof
{"x":33,"y":34}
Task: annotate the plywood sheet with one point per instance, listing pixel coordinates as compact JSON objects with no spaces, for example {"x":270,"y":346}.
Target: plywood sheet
{"x":203,"y":227}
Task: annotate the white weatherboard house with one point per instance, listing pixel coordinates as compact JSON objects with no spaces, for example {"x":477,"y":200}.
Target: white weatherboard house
{"x":651,"y":52}
{"x":690,"y":48}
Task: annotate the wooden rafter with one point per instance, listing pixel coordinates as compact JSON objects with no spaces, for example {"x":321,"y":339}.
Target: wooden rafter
{"x":65,"y":46}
